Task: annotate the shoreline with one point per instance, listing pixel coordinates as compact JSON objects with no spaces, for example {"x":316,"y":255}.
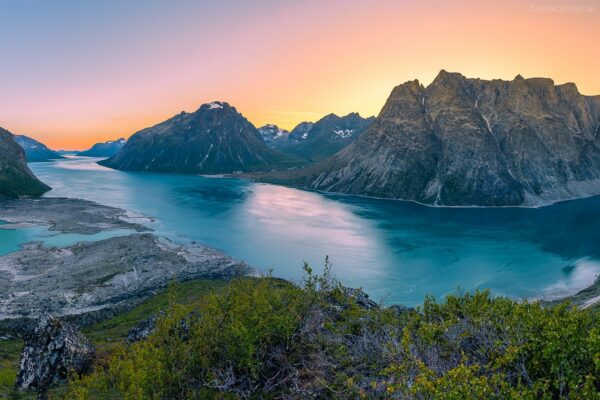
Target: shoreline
{"x":92,"y":280}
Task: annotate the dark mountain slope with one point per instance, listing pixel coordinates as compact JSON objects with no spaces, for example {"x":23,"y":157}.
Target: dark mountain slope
{"x":16,"y":179}
{"x":316,"y":141}
{"x":105,"y":149}
{"x":213,"y":139}
{"x":36,"y":151}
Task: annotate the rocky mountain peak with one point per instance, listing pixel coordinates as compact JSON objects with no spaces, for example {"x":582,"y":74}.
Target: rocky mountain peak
{"x":445,"y":78}
{"x":215,"y":138}
{"x":463,"y":141}
{"x":217,"y":105}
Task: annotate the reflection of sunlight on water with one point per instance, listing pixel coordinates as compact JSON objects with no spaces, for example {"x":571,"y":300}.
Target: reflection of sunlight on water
{"x":585,"y":272}
{"x":305,"y":217}
{"x":81,"y":163}
{"x":393,"y":249}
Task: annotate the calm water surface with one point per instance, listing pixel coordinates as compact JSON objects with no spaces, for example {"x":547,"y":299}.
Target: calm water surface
{"x":397,"y":251}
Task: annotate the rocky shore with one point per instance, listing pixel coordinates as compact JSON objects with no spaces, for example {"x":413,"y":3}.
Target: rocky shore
{"x":67,"y":215}
{"x":90,"y":281}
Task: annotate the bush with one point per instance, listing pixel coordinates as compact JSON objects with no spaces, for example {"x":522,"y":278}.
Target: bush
{"x":266,"y":338}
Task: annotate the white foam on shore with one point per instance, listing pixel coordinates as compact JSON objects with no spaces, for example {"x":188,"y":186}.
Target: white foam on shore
{"x":584,"y":274}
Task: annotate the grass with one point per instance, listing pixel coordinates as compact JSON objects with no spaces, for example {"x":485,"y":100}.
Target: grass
{"x":104,"y":335}
{"x":9,"y":361}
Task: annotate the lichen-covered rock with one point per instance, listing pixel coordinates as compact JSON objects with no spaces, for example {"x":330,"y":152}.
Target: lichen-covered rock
{"x":359,"y":297}
{"x":147,"y":327}
{"x":143,"y":329}
{"x":52,"y":351}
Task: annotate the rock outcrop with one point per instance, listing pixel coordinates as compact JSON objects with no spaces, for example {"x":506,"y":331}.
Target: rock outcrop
{"x":16,"y":179}
{"x":36,"y":151}
{"x":464,"y":142}
{"x":53,"y":351}
{"x":213,"y":139}
{"x":143,"y":329}
{"x":105,"y":149}
{"x":90,"y":281}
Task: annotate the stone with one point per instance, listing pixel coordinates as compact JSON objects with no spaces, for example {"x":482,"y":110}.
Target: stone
{"x":52,"y":351}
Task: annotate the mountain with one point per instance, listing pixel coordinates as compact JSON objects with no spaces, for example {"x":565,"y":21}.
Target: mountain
{"x":16,"y":179}
{"x":316,"y":141}
{"x":300,"y":132}
{"x":272,"y":134}
{"x":461,"y":142}
{"x":106,"y":149}
{"x":213,"y":139}
{"x":34,"y":150}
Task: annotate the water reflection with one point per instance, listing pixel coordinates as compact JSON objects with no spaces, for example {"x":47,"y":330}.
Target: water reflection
{"x":399,"y":251}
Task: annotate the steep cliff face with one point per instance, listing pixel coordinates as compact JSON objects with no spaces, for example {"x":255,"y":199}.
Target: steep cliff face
{"x":465,"y":142}
{"x":16,"y":179}
{"x":36,"y":151}
{"x":213,"y":139}
{"x":325,"y":137}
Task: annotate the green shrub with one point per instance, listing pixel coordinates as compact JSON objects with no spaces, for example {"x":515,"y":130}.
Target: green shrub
{"x":266,"y":338}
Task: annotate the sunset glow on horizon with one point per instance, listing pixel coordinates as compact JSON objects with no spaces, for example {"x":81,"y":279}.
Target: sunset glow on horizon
{"x":76,"y":73}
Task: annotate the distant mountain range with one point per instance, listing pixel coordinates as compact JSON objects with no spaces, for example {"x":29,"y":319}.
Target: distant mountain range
{"x":321,"y":139}
{"x":456,"y":142}
{"x":16,"y":179}
{"x":105,"y":149}
{"x":272,"y":135}
{"x":34,"y":150}
{"x":213,"y":139}
{"x":464,"y":142}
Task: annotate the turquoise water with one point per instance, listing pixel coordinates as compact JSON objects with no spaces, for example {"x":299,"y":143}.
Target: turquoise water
{"x":397,"y":251}
{"x":12,"y":239}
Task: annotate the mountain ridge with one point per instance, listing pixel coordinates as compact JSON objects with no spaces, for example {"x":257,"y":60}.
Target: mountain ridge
{"x":315,"y":141}
{"x":36,"y":151}
{"x":470,"y":142}
{"x":215,"y":138}
{"x":104,"y":149}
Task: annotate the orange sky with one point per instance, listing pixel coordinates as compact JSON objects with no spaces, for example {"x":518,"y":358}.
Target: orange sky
{"x":75,"y":75}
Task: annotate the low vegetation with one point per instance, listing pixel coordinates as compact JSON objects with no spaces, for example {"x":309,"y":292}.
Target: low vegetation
{"x":269,"y":339}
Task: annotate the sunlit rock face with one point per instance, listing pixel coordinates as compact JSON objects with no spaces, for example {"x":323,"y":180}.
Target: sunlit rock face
{"x":461,"y":142}
{"x":213,"y":139}
{"x":16,"y":179}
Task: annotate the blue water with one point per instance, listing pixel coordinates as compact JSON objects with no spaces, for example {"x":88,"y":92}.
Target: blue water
{"x":397,"y":251}
{"x":12,"y":239}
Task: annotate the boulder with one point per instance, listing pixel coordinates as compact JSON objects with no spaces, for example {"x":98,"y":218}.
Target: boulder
{"x":52,"y":351}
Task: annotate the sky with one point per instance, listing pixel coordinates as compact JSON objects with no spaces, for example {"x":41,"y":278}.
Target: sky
{"x":73,"y":73}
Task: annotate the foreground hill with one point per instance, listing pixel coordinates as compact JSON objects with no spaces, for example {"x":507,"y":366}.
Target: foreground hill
{"x":213,"y":139}
{"x":36,"y":151}
{"x":460,"y":142}
{"x":265,"y":338}
{"x":106,"y":149}
{"x":16,"y":179}
{"x":316,"y":141}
